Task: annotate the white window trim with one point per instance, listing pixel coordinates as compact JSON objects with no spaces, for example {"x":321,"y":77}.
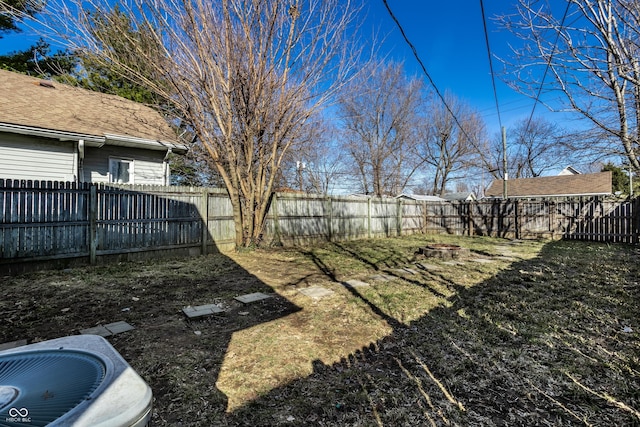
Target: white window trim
{"x":131,"y":169}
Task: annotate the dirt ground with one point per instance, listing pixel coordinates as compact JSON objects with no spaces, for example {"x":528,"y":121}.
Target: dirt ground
{"x":544,"y":335}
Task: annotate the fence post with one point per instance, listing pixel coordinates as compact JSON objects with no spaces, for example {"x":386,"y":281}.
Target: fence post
{"x":204,"y":216}
{"x":329,"y":210}
{"x":469,"y":205}
{"x":368,"y":217}
{"x":93,"y":223}
{"x":399,"y":217}
{"x":551,"y":209}
{"x":276,"y":221}
{"x":424,"y":217}
{"x":635,"y":222}
{"x":518,"y":221}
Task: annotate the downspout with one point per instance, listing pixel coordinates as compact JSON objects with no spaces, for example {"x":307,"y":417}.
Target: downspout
{"x":166,"y":170}
{"x":80,"y":160}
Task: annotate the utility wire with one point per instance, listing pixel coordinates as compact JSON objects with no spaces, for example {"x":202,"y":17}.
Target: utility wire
{"x":546,"y":70}
{"x":426,"y":73}
{"x":493,"y":75}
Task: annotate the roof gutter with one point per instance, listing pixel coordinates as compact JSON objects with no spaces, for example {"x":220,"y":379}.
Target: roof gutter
{"x":95,"y":140}
{"x":89,"y":140}
{"x":149,"y":144}
{"x":543,"y":196}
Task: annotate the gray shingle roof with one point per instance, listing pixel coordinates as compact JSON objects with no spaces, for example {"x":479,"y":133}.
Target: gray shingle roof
{"x":420,"y":197}
{"x":29,"y":101}
{"x":554,"y":186}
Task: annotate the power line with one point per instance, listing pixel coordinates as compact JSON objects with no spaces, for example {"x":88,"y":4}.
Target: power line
{"x":546,"y":70}
{"x":426,"y":73}
{"x":493,"y":77}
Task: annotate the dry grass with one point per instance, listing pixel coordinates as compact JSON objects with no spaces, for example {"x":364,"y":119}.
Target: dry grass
{"x":545,"y":333}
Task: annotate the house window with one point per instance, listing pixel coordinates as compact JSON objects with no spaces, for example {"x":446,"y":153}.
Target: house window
{"x":121,"y":171}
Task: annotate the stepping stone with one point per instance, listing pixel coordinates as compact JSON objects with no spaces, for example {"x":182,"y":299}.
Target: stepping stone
{"x":97,"y":330}
{"x":108,"y":330}
{"x":428,"y":267}
{"x":505,"y":250}
{"x":12,"y":344}
{"x":357,"y":284}
{"x":249,"y":298}
{"x":316,"y":292}
{"x":482,"y":260}
{"x":382,"y":277}
{"x":453,"y":263}
{"x":201,"y":310}
{"x":119,"y":327}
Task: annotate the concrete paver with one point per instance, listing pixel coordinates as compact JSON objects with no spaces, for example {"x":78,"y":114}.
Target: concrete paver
{"x":249,"y":298}
{"x":357,"y":283}
{"x":201,"y":310}
{"x":316,"y":292}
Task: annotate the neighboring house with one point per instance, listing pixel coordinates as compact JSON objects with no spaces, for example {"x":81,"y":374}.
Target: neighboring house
{"x":53,"y":132}
{"x":569,"y":170}
{"x":420,"y":197}
{"x":460,"y":197}
{"x":579,"y":185}
{"x":368,"y":196}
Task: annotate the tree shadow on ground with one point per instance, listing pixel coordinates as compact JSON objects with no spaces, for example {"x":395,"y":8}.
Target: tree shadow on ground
{"x":179,"y":358}
{"x":545,"y":342}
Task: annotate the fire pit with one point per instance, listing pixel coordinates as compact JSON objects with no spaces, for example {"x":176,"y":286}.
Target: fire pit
{"x":443,"y":251}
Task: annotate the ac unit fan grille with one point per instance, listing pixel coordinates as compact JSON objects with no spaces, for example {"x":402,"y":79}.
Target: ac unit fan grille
{"x":47,"y":385}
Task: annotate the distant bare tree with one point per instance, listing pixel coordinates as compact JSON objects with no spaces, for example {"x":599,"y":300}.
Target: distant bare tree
{"x":325,"y":163}
{"x":533,"y":148}
{"x":379,"y":115}
{"x":245,"y":75}
{"x":314,"y":167}
{"x":448,"y":149}
{"x":592,"y":53}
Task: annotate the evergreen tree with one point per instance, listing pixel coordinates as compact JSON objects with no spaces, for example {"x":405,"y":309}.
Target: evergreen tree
{"x":39,"y":61}
{"x":8,"y":10}
{"x":619,"y":178}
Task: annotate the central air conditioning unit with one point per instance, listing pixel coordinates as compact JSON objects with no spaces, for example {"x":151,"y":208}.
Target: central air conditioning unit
{"x":79,"y":381}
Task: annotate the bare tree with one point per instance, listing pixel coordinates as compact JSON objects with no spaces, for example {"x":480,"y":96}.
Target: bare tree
{"x":379,"y":115}
{"x":446,"y":147}
{"x":591,"y":55}
{"x":315,"y":166}
{"x":323,"y":163}
{"x":533,"y":148}
{"x":326,"y":170}
{"x":244,"y":75}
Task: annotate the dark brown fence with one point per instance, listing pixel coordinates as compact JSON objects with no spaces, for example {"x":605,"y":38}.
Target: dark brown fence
{"x":51,"y":221}
{"x":301,"y":218}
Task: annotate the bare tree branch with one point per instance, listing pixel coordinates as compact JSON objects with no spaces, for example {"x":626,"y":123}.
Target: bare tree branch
{"x":380,"y":118}
{"x":245,"y":75}
{"x":445,"y":147}
{"x":595,"y":64}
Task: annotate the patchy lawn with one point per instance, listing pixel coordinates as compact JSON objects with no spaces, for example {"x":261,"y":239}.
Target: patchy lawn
{"x":519,"y":333}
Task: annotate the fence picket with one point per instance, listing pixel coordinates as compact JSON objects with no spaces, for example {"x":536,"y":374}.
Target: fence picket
{"x":52,"y":219}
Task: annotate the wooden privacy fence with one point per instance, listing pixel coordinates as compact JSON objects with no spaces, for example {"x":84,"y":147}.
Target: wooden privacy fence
{"x":47,"y":221}
{"x":302,"y":218}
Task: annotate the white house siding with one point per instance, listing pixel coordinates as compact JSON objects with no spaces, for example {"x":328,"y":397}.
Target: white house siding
{"x":23,"y":157}
{"x":147,"y":165}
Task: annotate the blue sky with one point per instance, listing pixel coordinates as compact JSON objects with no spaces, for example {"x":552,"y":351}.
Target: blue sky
{"x":450,"y":40}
